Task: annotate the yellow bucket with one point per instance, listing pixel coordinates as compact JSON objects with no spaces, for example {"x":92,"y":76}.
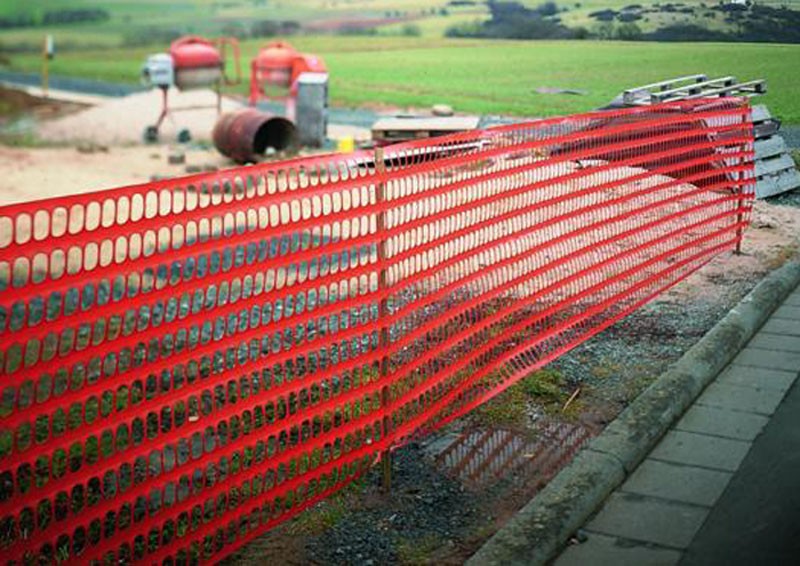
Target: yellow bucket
{"x":346,"y":145}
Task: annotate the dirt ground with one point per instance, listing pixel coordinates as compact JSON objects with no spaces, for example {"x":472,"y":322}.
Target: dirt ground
{"x":72,"y":143}
{"x":772,"y":238}
{"x":122,"y":121}
{"x":15,"y":103}
{"x":37,"y":173}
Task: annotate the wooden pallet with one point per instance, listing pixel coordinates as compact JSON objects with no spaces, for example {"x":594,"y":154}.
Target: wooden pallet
{"x":690,"y":87}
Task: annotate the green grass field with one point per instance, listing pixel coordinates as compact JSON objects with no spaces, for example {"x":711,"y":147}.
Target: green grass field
{"x":497,"y":77}
{"x":474,"y":76}
{"x":137,"y":22}
{"x":432,"y":17}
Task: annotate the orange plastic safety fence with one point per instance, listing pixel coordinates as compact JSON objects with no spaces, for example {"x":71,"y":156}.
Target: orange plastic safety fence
{"x":186,"y":363}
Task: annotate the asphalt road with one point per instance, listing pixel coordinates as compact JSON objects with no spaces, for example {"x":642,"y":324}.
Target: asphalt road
{"x":757,"y":519}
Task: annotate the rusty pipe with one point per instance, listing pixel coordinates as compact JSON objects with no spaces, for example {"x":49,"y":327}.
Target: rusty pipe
{"x":244,"y":135}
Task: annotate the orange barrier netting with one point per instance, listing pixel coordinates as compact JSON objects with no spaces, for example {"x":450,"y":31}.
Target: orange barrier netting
{"x":188,"y":362}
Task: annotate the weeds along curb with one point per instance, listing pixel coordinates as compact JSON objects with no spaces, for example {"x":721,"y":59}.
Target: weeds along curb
{"x":537,"y":532}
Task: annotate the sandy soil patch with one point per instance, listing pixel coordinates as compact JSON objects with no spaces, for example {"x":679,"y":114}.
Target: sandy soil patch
{"x":123,"y":120}
{"x":32,"y":174}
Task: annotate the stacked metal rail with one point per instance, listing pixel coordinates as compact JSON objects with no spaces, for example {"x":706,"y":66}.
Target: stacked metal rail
{"x":776,"y":171}
{"x":691,"y":87}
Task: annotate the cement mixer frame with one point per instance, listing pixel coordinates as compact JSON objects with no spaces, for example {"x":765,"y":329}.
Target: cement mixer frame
{"x":156,"y":74}
{"x":278,"y":65}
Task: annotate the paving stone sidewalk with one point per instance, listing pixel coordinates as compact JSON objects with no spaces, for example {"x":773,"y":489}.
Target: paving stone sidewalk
{"x":656,"y":514}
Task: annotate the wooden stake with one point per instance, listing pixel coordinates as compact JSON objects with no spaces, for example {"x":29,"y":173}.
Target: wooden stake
{"x":380,"y":198}
{"x":740,"y":204}
{"x":45,"y":67}
{"x":571,"y":399}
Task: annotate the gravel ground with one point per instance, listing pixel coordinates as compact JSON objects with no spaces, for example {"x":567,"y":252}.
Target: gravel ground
{"x":616,"y":365}
{"x":426,"y":517}
{"x":397,"y":528}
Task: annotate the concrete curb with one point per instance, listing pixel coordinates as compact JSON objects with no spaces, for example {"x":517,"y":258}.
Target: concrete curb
{"x":536,"y":533}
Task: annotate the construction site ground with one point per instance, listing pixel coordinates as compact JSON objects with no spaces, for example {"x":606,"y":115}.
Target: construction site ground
{"x":434,"y":513}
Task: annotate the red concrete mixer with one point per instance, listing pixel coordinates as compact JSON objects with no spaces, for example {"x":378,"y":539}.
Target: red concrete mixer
{"x":192,"y":63}
{"x":197,"y":62}
{"x":279,"y":65}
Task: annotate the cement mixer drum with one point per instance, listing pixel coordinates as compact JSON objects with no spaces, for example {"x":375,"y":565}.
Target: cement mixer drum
{"x":197,"y":62}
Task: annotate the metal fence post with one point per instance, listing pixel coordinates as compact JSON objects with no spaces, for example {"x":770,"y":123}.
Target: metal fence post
{"x":383,"y":312}
{"x":740,"y":176}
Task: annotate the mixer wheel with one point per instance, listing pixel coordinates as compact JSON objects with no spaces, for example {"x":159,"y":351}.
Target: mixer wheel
{"x":151,"y":134}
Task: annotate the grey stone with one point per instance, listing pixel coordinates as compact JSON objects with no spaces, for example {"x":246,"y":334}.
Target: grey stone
{"x":780,"y":342}
{"x":782,"y":326}
{"x":768,"y":359}
{"x":634,"y":432}
{"x":741,"y":398}
{"x":715,"y":350}
{"x":647,"y":519}
{"x":537,"y":531}
{"x":701,"y":450}
{"x":176,"y":158}
{"x":677,"y":482}
{"x":759,"y":378}
{"x":442,"y":110}
{"x":434,"y":445}
{"x":602,"y":550}
{"x":793,"y":299}
{"x":722,"y":422}
{"x":759,"y":304}
{"x":637,"y":428}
